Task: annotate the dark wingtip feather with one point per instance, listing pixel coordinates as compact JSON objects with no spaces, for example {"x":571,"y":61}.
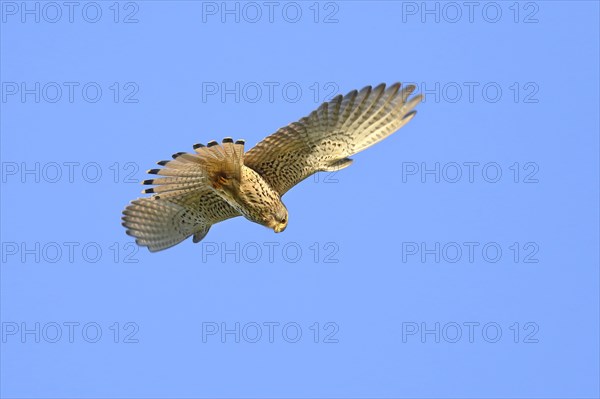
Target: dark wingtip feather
{"x":162,"y":163}
{"x":411,"y":114}
{"x":177,"y":154}
{"x":198,"y":145}
{"x":153,"y":171}
{"x":148,"y":191}
{"x":227,"y":140}
{"x":149,"y":181}
{"x":240,"y":141}
{"x":212,"y":143}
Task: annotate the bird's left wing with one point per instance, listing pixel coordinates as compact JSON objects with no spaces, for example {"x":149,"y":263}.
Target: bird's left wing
{"x":323,"y":140}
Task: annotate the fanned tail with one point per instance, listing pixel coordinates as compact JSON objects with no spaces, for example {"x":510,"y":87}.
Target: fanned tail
{"x":189,"y":198}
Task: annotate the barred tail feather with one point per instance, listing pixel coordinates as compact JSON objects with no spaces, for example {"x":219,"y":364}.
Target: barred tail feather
{"x":214,"y":165}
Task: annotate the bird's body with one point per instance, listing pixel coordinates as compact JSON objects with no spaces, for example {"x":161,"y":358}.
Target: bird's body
{"x":259,"y":203}
{"x":220,"y":181}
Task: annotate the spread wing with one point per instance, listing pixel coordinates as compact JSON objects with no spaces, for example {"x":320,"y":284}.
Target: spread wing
{"x":189,"y":199}
{"x":159,"y":223}
{"x":323,"y":140}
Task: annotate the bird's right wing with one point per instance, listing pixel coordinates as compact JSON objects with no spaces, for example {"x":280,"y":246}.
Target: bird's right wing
{"x":191,"y":197}
{"x":323,"y":140}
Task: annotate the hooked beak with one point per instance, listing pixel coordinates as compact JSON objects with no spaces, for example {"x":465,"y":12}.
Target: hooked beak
{"x":279,"y":227}
{"x":276,"y":225}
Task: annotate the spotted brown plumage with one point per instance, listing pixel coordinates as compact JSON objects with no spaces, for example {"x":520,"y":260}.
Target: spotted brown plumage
{"x":219,"y":181}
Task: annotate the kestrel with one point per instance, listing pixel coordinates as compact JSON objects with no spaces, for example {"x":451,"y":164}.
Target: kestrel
{"x":220,"y":181}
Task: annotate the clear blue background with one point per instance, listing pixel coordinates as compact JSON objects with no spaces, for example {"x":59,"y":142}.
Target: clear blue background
{"x":370,"y":293}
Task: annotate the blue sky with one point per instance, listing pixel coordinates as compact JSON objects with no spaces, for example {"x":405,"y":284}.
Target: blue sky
{"x":457,"y":258}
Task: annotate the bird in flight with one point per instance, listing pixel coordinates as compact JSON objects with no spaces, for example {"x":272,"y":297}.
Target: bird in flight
{"x":216,"y":181}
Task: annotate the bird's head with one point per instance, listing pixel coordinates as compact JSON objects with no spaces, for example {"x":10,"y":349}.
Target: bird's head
{"x":279,"y":219}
